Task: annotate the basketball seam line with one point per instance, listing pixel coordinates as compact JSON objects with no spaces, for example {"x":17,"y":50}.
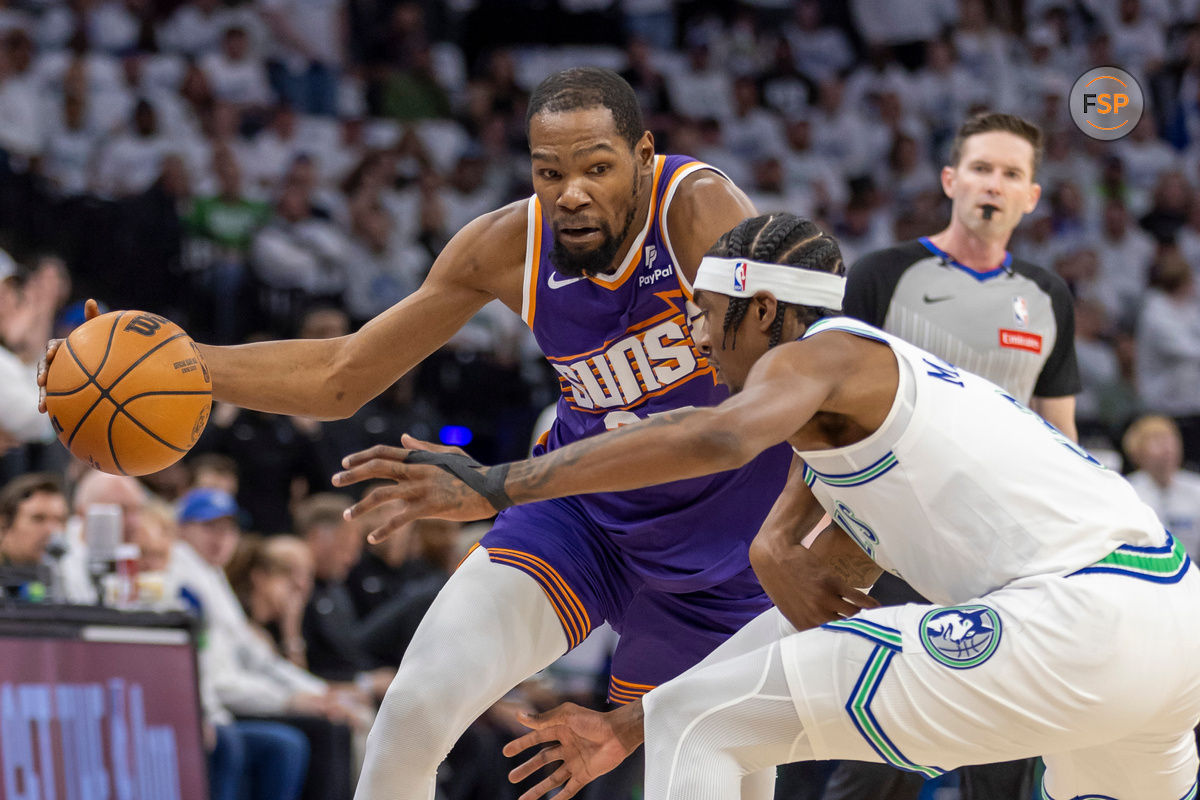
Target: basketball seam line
{"x":106,"y":394}
{"x":120,"y":407}
{"x":136,"y":421}
{"x":112,"y":332}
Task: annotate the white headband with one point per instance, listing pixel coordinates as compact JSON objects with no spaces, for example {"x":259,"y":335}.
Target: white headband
{"x":739,"y":277}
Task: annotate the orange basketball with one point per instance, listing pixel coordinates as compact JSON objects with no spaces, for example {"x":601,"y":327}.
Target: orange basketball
{"x":128,"y":392}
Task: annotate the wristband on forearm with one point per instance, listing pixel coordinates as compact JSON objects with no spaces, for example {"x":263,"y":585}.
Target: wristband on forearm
{"x":484,"y":481}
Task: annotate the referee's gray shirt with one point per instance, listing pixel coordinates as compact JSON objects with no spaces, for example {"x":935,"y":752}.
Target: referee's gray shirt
{"x":1014,"y":325}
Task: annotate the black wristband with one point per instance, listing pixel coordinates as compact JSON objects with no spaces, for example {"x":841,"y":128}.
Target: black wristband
{"x":487,"y":483}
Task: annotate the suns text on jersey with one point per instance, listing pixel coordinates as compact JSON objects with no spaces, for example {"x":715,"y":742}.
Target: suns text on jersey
{"x":631,"y":368}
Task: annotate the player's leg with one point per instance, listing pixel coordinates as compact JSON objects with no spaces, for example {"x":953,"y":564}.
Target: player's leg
{"x":490,"y":627}
{"x":710,"y":730}
{"x":1152,"y":766}
{"x":1042,"y":667}
{"x":664,"y":633}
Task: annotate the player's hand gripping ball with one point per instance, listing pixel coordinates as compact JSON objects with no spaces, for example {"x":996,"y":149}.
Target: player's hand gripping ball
{"x":128,"y":392}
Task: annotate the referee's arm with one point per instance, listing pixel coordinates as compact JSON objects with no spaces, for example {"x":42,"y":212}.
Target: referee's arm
{"x":1059,"y":412}
{"x":1057,"y":385}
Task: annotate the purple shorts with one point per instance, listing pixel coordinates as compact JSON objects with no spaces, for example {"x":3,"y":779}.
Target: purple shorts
{"x":589,"y":580}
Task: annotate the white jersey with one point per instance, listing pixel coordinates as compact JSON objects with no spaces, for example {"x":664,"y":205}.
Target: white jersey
{"x":963,"y":490}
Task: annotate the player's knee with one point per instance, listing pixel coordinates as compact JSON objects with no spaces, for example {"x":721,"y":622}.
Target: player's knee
{"x":670,"y":710}
{"x":419,"y":719}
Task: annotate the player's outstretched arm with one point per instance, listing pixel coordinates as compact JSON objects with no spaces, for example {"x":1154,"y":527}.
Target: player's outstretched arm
{"x":332,"y":378}
{"x":785,"y":388}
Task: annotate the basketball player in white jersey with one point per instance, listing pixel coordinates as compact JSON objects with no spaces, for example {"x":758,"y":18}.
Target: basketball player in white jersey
{"x":1063,"y":615}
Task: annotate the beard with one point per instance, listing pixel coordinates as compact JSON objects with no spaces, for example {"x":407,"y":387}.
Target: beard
{"x":598,"y":261}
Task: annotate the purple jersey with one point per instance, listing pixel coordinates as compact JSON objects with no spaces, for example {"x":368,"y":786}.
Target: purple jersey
{"x":622,"y":349}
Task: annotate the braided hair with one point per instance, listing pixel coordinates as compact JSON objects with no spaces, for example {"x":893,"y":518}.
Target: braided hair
{"x":779,"y":238}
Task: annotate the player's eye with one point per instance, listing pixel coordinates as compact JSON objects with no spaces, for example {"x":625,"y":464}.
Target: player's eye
{"x":599,"y":169}
{"x":548,"y":174}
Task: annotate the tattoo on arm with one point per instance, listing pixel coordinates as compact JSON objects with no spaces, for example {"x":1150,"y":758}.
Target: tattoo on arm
{"x":527,"y":478}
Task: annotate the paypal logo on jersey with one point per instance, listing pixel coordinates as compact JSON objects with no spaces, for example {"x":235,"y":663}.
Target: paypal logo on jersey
{"x":649,"y":256}
{"x":961,"y":637}
{"x":656,"y":275}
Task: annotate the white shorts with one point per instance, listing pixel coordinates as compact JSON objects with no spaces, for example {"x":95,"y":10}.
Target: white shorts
{"x":1098,"y":673}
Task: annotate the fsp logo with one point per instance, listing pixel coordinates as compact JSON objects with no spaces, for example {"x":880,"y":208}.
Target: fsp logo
{"x":1106,"y":103}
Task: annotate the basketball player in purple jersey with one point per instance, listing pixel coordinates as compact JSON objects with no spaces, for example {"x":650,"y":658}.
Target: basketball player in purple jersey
{"x":599,"y":263}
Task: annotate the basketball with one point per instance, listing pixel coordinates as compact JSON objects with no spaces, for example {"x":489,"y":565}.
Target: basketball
{"x":128,"y":392}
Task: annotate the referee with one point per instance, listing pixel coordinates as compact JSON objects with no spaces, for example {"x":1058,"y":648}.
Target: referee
{"x":962,"y":296}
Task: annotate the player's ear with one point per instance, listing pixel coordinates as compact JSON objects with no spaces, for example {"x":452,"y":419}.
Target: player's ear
{"x":948,"y":175}
{"x":765,"y":308}
{"x":644,"y":150}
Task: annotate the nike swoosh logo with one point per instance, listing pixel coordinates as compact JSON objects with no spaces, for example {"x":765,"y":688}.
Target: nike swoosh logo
{"x":929,"y":299}
{"x":555,"y":282}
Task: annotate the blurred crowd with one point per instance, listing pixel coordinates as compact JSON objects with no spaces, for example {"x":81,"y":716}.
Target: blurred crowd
{"x":235,"y":164}
{"x":292,"y":167}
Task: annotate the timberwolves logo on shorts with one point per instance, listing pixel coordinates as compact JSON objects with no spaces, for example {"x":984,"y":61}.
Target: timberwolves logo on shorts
{"x":961,"y":637}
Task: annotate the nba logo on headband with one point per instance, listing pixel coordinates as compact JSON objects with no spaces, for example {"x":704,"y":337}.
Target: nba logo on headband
{"x":739,"y":276}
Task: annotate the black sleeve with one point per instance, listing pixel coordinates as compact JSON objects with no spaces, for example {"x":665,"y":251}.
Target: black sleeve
{"x":871,"y":282}
{"x":1060,"y":373}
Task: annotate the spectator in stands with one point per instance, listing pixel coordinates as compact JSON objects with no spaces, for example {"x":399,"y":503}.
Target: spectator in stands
{"x":380,"y":270}
{"x":194,"y":28}
{"x":1104,"y":405}
{"x":701,"y":89}
{"x":273,"y":580}
{"x":1154,"y":446}
{"x":299,"y":252}
{"x":416,"y":92}
{"x":946,"y":91}
{"x":1188,"y":239}
{"x":1168,"y":349}
{"x":837,"y":129}
{"x":132,"y":160}
{"x":214,"y":471}
{"x":646,"y":79}
{"x":72,"y":142}
{"x":251,"y":678}
{"x":26,"y":318}
{"x":21,"y":127}
{"x":332,"y":628}
{"x":236,"y":74}
{"x":32,"y":510}
{"x":1139,"y":42}
{"x":222,"y":228}
{"x":1145,"y":156}
{"x":752,"y":132}
{"x":820,"y":51}
{"x":809,"y":173}
{"x":310,"y":45}
{"x":246,"y":758}
{"x":385,"y":569}
{"x":1125,"y":252}
{"x":94,"y":488}
{"x":1171,"y":204}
